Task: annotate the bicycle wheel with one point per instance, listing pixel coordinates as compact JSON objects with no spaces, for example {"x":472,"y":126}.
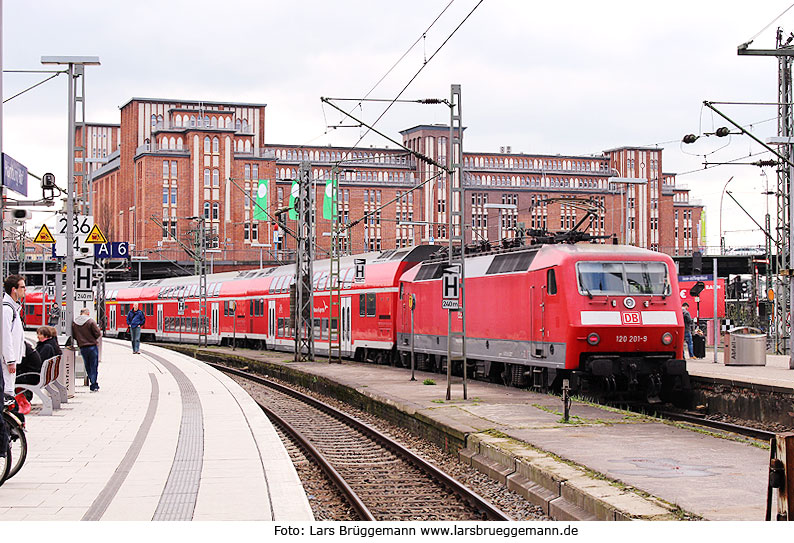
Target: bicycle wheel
{"x":5,"y":466}
{"x":18,"y":447}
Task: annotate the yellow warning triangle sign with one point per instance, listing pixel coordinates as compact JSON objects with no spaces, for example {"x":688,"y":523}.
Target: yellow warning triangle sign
{"x":96,"y":236}
{"x":44,"y":235}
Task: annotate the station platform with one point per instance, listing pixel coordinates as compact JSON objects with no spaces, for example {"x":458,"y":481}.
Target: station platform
{"x":775,"y":373}
{"x":604,"y":464}
{"x":165,"y":438}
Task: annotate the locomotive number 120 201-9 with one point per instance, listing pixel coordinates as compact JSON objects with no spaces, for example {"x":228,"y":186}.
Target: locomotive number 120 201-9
{"x":631,"y":339}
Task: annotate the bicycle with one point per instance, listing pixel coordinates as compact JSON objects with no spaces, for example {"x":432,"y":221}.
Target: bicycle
{"x":17,"y":450}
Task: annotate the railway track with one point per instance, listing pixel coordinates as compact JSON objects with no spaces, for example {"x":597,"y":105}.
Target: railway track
{"x":380,"y":479}
{"x":694,"y":418}
{"x":745,"y":431}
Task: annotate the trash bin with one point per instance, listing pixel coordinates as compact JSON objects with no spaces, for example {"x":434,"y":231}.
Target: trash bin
{"x":66,"y":377}
{"x":746,"y":346}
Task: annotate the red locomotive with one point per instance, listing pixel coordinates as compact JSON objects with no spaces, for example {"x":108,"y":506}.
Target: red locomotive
{"x":602,"y":316}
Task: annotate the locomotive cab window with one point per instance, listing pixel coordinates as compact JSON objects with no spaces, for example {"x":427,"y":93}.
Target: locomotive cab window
{"x":551,"y":281}
{"x":622,"y":278}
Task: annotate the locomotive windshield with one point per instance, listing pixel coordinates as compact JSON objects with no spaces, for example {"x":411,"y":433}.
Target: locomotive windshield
{"x":621,"y":278}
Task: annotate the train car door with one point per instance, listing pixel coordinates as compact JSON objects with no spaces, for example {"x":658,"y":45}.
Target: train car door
{"x":159,"y":320}
{"x":214,"y":332}
{"x":112,"y":318}
{"x":271,"y":323}
{"x":537,"y":310}
{"x":344,"y":332}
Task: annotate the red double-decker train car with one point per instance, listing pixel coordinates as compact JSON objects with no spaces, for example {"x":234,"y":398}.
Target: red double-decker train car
{"x":602,"y":316}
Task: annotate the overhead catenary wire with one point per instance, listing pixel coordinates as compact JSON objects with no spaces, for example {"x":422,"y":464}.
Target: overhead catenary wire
{"x":421,"y":68}
{"x":748,"y":42}
{"x":56,"y":74}
{"x":421,"y":37}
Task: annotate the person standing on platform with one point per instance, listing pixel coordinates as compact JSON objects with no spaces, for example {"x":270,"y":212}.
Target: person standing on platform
{"x":135,"y":320}
{"x":13,"y":330}
{"x":688,"y":322}
{"x":86,"y":332}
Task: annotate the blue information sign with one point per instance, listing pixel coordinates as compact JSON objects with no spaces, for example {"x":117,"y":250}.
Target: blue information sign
{"x":116,"y":249}
{"x":15,"y":175}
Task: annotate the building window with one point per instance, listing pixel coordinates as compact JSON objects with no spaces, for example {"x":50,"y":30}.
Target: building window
{"x":215,"y":145}
{"x":247,"y":170}
{"x":173,"y":196}
{"x":255,"y":171}
{"x":215,"y":211}
{"x":215,"y":178}
{"x":165,"y":169}
{"x":165,"y":196}
{"x":206,"y":177}
{"x":173,"y":168}
{"x":207,"y":144}
{"x":206,"y":210}
{"x":246,"y":232}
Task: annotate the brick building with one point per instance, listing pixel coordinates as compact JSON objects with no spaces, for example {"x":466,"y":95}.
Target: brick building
{"x":171,"y":162}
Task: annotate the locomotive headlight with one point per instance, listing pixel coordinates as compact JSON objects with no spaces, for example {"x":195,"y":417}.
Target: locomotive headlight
{"x":593,"y":338}
{"x":667,"y":338}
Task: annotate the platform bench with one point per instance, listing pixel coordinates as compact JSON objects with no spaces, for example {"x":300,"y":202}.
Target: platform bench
{"x":51,"y":392}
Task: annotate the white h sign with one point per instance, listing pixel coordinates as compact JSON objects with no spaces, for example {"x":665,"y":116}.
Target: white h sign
{"x":450,"y":288}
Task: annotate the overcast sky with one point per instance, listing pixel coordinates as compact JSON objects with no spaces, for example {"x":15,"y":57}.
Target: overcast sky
{"x":564,"y":77}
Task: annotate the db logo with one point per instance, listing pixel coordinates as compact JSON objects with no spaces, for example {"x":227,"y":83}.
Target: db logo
{"x":631,"y":318}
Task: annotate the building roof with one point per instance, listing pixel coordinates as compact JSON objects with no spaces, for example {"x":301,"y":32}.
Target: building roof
{"x":633,"y":148}
{"x":197,"y":102}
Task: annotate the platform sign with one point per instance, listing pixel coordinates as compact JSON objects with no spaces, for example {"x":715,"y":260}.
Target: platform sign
{"x":82,"y":226}
{"x":116,"y":249}
{"x":15,"y":175}
{"x":360,"y":263}
{"x":450,"y":288}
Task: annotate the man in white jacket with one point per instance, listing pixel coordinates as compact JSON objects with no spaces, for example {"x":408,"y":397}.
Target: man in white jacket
{"x":13,"y":330}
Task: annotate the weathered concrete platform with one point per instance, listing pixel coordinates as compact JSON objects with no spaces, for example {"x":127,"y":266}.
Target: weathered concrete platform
{"x":604,"y":465}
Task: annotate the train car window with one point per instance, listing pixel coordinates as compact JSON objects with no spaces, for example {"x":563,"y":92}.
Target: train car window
{"x":513,"y":262}
{"x":429,"y":271}
{"x":398,"y":255}
{"x":281,"y":327}
{"x":551,"y":281}
{"x":362,"y":305}
{"x":262,"y":307}
{"x":348,"y":278}
{"x":316,"y":328}
{"x":371,"y":304}
{"x":324,"y":329}
{"x":193,"y":324}
{"x":29,"y":309}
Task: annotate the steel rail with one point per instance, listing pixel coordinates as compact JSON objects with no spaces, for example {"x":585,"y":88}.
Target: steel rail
{"x":746,"y":431}
{"x":353,"y":499}
{"x":475,"y":500}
